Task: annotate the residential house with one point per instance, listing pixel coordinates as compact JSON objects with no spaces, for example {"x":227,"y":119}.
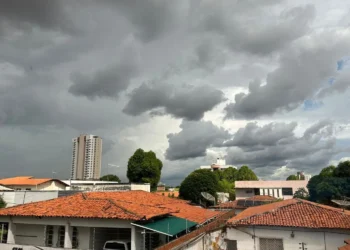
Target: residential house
{"x":289,"y":224}
{"x":87,"y":220}
{"x":279,"y":189}
{"x":30,"y":183}
{"x":240,"y":205}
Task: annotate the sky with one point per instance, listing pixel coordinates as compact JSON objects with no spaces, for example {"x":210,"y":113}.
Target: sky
{"x":260,"y":83}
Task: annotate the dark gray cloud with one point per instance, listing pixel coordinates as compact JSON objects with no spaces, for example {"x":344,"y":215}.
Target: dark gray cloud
{"x":151,"y":18}
{"x":252,"y":135}
{"x":301,"y":72}
{"x":194,"y":139}
{"x":247,"y":32}
{"x":105,"y":83}
{"x":44,"y":14}
{"x":184,"y":101}
{"x":309,"y":152}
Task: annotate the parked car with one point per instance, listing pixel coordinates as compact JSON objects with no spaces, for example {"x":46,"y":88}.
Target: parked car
{"x":117,"y":245}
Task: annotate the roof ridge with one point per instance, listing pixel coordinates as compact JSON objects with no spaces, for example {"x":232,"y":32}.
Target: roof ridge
{"x":311,"y":203}
{"x":268,"y":211}
{"x":113,"y":203}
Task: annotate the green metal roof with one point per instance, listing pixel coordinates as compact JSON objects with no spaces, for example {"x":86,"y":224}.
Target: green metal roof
{"x":170,"y":226}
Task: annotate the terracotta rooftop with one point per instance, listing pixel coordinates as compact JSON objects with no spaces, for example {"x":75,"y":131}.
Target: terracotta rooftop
{"x":233,"y":204}
{"x":127,"y":205}
{"x":346,"y":247}
{"x":26,"y":181}
{"x":166,"y":193}
{"x":293,"y":213}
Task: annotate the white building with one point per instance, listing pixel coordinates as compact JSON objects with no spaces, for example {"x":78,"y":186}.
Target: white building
{"x":30,"y":183}
{"x":87,"y":157}
{"x":288,"y":225}
{"x":278,"y":189}
{"x":220,"y":164}
{"x":87,"y":220}
{"x":93,"y":185}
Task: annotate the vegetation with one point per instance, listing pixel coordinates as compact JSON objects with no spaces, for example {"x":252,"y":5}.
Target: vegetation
{"x":110,"y":177}
{"x":2,"y":202}
{"x":292,"y":177}
{"x":246,"y":174}
{"x":332,"y":183}
{"x":201,"y":180}
{"x":301,"y":193}
{"x":218,"y":181}
{"x":144,"y":167}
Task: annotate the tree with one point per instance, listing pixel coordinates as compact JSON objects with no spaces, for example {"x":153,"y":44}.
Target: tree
{"x":2,"y":202}
{"x":144,"y":167}
{"x":301,"y":193}
{"x":343,"y":169}
{"x":230,"y":174}
{"x":332,"y":183}
{"x":110,"y":177}
{"x":246,"y":174}
{"x":201,"y":180}
{"x":328,"y":171}
{"x":292,"y":177}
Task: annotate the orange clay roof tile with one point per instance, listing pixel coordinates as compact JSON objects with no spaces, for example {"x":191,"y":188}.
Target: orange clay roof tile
{"x":26,"y":181}
{"x":293,"y":213}
{"x":128,"y":205}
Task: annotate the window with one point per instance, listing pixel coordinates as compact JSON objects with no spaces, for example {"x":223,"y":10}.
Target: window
{"x":231,"y":244}
{"x":287,"y":191}
{"x":75,"y":240}
{"x":271,"y":244}
{"x":249,"y":191}
{"x":28,"y":189}
{"x":49,"y":236}
{"x":256,"y":191}
{"x":60,"y":238}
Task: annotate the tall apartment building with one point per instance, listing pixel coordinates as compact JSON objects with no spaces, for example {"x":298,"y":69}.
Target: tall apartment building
{"x":87,"y":156}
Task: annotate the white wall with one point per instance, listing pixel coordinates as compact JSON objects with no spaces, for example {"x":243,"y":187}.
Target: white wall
{"x":241,"y":193}
{"x":30,"y":234}
{"x":143,"y":187}
{"x":315,"y":240}
{"x":13,"y":198}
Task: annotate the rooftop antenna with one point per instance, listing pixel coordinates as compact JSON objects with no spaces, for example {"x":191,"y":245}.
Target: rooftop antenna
{"x":343,"y":203}
{"x":208,"y":197}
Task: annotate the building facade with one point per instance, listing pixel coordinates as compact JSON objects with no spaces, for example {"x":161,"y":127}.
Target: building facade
{"x":277,"y":189}
{"x":87,"y":156}
{"x":220,"y":164}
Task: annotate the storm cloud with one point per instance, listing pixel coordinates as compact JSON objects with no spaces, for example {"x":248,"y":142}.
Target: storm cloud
{"x":192,"y":80}
{"x":194,"y":139}
{"x":184,"y":101}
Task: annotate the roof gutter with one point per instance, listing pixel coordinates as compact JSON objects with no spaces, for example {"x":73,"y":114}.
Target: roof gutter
{"x":189,"y":241}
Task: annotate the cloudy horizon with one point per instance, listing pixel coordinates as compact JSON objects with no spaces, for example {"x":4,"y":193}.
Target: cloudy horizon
{"x":263,"y":84}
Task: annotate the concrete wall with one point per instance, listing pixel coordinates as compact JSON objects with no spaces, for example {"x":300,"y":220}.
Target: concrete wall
{"x":143,"y":187}
{"x":315,"y":239}
{"x":13,"y":198}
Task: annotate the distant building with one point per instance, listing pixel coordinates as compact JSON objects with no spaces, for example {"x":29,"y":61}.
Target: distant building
{"x":220,"y":164}
{"x":278,"y":189}
{"x":29,"y":183}
{"x":302,"y":176}
{"x":87,"y":156}
{"x":93,"y":185}
{"x":161,"y":187}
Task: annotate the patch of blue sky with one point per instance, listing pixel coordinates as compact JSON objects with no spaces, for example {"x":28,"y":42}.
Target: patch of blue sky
{"x":343,"y":63}
{"x":311,"y":104}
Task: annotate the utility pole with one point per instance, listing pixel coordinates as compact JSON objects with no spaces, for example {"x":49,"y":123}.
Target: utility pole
{"x":302,"y":247}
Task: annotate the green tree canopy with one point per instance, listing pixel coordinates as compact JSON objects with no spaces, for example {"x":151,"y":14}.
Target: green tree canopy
{"x":328,"y":171}
{"x":201,"y":180}
{"x":343,"y":169}
{"x":292,"y":177}
{"x":246,"y":174}
{"x":144,"y":167}
{"x":332,"y":183}
{"x":2,"y":202}
{"x":230,"y":174}
{"x":110,"y":177}
{"x":301,"y":193}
